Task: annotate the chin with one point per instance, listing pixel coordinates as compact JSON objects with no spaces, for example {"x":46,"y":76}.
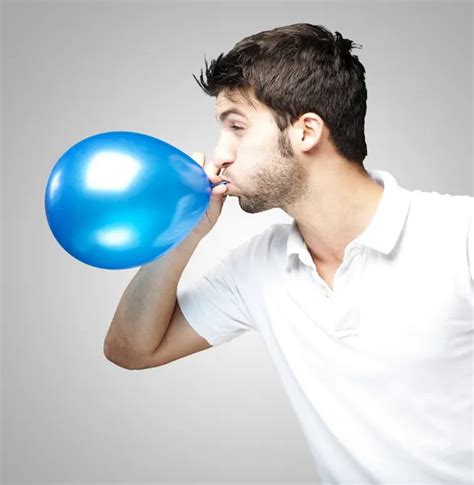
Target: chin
{"x":252,"y":207}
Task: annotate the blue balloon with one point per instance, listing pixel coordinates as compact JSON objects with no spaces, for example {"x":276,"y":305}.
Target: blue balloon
{"x":121,"y":199}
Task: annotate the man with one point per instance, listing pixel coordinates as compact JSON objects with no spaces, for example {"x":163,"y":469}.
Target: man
{"x":365,"y":301}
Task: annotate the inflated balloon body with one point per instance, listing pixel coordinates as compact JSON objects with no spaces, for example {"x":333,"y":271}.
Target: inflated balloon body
{"x":121,"y":199}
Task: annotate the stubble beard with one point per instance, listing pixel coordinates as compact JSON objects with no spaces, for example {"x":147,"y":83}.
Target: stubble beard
{"x":282,"y":182}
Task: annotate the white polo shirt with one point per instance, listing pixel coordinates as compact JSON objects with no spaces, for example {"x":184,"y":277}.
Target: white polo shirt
{"x":380,"y":370}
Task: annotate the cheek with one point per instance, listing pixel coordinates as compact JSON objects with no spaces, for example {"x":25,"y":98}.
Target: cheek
{"x":257,"y":145}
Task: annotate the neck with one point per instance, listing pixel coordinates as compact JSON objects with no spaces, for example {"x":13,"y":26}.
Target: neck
{"x":339,"y":206}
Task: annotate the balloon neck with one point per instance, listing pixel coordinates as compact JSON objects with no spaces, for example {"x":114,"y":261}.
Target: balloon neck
{"x":219,"y":183}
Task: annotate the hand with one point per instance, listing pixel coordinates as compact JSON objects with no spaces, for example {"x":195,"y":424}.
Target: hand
{"x":218,"y":196}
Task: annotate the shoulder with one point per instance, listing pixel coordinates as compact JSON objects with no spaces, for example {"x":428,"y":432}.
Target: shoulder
{"x":264,"y":248}
{"x":252,"y":257}
{"x":272,"y":238}
{"x":441,"y":209}
{"x":442,"y":201}
{"x":443,"y":224}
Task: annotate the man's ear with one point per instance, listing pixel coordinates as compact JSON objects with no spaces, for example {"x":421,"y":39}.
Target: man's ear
{"x":306,"y":132}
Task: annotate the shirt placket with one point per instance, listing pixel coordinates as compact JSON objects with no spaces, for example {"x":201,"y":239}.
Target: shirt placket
{"x":341,"y":306}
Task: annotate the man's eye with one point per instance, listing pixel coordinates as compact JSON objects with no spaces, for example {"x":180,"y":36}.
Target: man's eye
{"x":235,"y":127}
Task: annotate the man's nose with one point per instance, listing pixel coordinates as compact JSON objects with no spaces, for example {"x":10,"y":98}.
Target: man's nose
{"x":223,"y":158}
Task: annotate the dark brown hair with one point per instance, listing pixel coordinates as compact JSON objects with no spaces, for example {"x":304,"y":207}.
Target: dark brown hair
{"x":296,"y":69}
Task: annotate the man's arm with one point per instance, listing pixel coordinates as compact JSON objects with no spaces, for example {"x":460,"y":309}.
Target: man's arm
{"x":148,"y":328}
{"x":148,"y":323}
{"x":179,"y":340}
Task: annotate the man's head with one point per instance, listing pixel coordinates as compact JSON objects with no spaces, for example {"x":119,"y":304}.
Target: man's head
{"x":294,"y":83}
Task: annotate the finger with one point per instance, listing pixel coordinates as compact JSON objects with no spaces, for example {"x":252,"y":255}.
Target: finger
{"x":199,"y":157}
{"x":211,"y":170}
{"x":221,"y":185}
{"x":219,"y":190}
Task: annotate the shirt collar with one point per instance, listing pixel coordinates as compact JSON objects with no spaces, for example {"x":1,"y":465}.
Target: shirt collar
{"x":384,"y":229}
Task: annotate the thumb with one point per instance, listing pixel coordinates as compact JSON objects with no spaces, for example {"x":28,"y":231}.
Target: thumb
{"x":218,"y":197}
{"x":199,"y":157}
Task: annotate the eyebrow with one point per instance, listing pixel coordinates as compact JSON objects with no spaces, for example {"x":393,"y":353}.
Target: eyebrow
{"x":222,"y":116}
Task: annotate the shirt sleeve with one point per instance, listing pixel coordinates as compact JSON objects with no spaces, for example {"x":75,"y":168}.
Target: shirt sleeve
{"x":213,"y":305}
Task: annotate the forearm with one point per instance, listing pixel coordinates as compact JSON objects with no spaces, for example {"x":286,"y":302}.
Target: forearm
{"x":146,"y":306}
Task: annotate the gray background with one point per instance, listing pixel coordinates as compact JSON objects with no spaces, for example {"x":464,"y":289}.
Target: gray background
{"x":73,"y":69}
